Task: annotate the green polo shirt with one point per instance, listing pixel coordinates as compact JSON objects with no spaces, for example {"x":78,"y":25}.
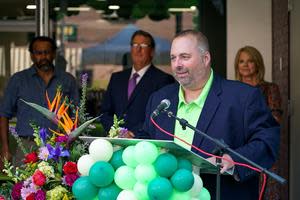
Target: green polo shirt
{"x":190,"y":112}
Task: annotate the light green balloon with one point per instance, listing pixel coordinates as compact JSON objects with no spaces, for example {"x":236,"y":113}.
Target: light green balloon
{"x":127,"y":195}
{"x":204,"y":194}
{"x":128,"y":156}
{"x":124,"y":177}
{"x":180,"y":195}
{"x":198,"y":184}
{"x":145,"y":152}
{"x":140,"y":191}
{"x":145,"y":173}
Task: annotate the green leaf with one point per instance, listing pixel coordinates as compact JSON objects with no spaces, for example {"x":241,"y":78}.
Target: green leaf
{"x":43,"y":111}
{"x":81,"y":128}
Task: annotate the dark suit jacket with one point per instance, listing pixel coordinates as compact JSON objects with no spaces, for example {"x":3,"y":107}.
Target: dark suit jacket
{"x":132,"y":110}
{"x":236,"y":113}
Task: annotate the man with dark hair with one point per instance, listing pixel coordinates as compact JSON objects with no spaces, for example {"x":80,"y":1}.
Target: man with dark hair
{"x":227,"y":110}
{"x":31,"y":85}
{"x":129,"y":90}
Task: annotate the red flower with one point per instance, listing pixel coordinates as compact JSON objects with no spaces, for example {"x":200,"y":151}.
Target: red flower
{"x":70,"y":168}
{"x":30,"y":197}
{"x":31,"y":158}
{"x":70,"y":179}
{"x":39,"y":178}
{"x":16,"y":191}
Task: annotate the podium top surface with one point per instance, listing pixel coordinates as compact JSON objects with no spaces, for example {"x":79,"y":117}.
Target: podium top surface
{"x":168,"y":145}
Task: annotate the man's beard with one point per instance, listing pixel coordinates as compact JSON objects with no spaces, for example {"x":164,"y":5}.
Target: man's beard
{"x":44,"y":66}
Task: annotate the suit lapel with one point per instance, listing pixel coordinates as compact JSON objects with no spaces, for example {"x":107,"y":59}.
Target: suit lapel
{"x":210,"y":108}
{"x":143,"y":83}
{"x":124,"y":86}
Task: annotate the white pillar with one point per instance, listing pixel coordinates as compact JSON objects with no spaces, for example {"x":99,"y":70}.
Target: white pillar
{"x":42,"y":17}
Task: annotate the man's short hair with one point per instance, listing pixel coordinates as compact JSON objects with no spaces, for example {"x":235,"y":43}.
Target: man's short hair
{"x":42,"y":39}
{"x":201,"y":38}
{"x":145,"y":34}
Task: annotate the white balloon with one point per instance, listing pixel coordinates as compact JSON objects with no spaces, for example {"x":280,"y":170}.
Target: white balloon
{"x":198,"y":184}
{"x":101,"y":150}
{"x":84,"y":164}
{"x":127,"y":195}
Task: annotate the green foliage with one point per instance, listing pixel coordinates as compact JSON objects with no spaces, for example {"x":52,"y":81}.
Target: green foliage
{"x":130,"y":9}
{"x":114,"y":130}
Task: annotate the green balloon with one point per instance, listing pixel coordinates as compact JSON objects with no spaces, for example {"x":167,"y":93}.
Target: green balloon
{"x":204,"y":194}
{"x":160,"y":189}
{"x":110,"y":192}
{"x":145,"y":173}
{"x":140,"y":191}
{"x":84,"y":189}
{"x":182,"y":180}
{"x":180,"y":195}
{"x":184,"y":164}
{"x":128,"y":156}
{"x":145,"y":148}
{"x":101,"y":174}
{"x":116,"y":160}
{"x":124,"y":177}
{"x":166,"y":164}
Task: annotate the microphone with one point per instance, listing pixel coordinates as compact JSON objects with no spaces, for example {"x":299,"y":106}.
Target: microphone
{"x":164,"y":104}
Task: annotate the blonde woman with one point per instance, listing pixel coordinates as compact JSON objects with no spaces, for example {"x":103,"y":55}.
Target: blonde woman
{"x":249,"y":68}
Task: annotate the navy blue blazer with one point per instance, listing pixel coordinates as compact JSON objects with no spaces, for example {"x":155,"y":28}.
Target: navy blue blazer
{"x":234,"y":112}
{"x":132,"y":110}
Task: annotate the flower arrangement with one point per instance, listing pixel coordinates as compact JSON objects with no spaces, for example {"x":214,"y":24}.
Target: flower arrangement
{"x":116,"y":130}
{"x":49,"y":169}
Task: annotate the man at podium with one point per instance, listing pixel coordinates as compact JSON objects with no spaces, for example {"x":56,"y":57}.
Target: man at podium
{"x":223,"y":109}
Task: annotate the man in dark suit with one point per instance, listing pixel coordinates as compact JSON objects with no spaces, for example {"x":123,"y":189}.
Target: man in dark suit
{"x":228,"y":110}
{"x":129,"y":90}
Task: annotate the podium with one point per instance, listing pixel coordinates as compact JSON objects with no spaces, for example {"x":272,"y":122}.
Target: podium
{"x":170,"y":146}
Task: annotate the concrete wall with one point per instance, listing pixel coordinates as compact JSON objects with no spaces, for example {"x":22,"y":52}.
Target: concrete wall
{"x":249,"y":23}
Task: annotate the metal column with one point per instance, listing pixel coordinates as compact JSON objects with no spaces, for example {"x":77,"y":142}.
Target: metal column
{"x":42,"y":17}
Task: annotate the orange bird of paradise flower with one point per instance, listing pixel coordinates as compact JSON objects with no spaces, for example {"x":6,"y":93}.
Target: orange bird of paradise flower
{"x":55,"y":106}
{"x":61,"y":113}
{"x":67,"y":123}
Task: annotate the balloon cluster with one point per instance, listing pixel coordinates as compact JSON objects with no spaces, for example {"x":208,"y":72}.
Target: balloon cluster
{"x":138,"y":172}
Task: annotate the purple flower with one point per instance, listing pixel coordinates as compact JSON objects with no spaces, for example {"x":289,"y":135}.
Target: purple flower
{"x":40,"y":195}
{"x":16,"y":191}
{"x":123,"y":132}
{"x":43,"y":135}
{"x":43,"y":153}
{"x":69,"y":179}
{"x":55,"y":153}
{"x":61,"y":138}
{"x":84,"y":78}
{"x":28,"y":188}
{"x":12,"y":130}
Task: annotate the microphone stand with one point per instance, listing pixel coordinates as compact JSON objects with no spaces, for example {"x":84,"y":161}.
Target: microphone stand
{"x":223,"y":147}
